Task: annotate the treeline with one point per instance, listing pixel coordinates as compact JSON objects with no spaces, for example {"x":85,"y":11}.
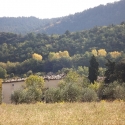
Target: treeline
{"x":73,"y":88}
{"x":45,"y":53}
{"x":102,"y":15}
{"x":17,"y":48}
{"x":23,"y":25}
{"x":76,"y":87}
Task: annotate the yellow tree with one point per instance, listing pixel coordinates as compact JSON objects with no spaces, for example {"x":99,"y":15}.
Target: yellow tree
{"x":36,"y":56}
{"x":94,"y":52}
{"x":115,"y":54}
{"x":53,"y":55}
{"x":65,"y":54}
{"x":60,"y":54}
{"x":102,"y":52}
{"x":57,"y":55}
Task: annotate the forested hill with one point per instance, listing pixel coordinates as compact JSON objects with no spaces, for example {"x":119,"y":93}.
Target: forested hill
{"x":98,"y":16}
{"x":17,"y":48}
{"x":103,"y":15}
{"x":23,"y":25}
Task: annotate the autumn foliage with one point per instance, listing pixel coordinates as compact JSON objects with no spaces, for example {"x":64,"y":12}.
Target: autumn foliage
{"x":37,"y":56}
{"x":57,"y":55}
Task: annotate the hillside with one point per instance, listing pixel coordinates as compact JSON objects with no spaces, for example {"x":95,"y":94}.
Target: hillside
{"x":15,"y":47}
{"x":103,"y":15}
{"x":23,"y":25}
{"x":77,"y":48}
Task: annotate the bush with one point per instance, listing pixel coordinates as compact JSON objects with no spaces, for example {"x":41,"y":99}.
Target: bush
{"x":119,"y":92}
{"x":68,"y":92}
{"x":32,"y":95}
{"x":107,"y":91}
{"x":71,"y":92}
{"x":32,"y":91}
{"x":112,"y":91}
{"x":95,"y":86}
{"x":17,"y":97}
{"x":52,"y":95}
{"x":26,"y":96}
{"x":89,"y":95}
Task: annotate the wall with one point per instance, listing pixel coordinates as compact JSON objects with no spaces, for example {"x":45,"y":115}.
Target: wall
{"x":9,"y":88}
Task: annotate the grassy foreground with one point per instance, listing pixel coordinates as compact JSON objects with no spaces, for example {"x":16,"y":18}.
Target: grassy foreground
{"x":95,"y":113}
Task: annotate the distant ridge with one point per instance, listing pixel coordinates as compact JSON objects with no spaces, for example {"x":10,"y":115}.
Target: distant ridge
{"x":102,"y":15}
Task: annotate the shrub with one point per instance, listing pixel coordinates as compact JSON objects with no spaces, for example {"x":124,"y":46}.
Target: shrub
{"x":107,"y":91}
{"x":16,"y":97}
{"x":52,"y":95}
{"x":85,"y":82}
{"x":26,"y":96}
{"x":95,"y":86}
{"x":71,"y":92}
{"x":32,"y":95}
{"x":119,"y":92}
{"x":89,"y":95}
{"x":112,"y":91}
{"x":32,"y":91}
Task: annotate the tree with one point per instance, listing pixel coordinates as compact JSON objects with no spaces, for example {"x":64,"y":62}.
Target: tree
{"x":93,"y":69}
{"x":34,"y":81}
{"x":29,"y":73}
{"x":120,"y":70}
{"x":109,"y":73}
{"x":2,"y":73}
{"x":94,"y":52}
{"x":58,"y":55}
{"x":70,"y":87}
{"x":37,"y":56}
{"x":115,"y":54}
{"x":31,"y":92}
{"x":102,"y":52}
{"x":33,"y":88}
{"x":72,"y":77}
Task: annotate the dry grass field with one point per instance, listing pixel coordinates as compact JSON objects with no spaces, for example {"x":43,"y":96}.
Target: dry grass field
{"x":95,"y":113}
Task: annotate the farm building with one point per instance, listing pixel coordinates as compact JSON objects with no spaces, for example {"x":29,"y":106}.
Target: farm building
{"x":9,"y":86}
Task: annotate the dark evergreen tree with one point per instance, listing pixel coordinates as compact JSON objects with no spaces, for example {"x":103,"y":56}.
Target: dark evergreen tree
{"x":120,"y":71}
{"x":93,"y":69}
{"x":110,"y":72}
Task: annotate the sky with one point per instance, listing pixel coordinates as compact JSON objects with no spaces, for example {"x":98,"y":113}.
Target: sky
{"x":46,"y":8}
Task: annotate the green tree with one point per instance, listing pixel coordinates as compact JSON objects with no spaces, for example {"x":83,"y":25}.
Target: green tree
{"x":34,"y":81}
{"x":2,"y":73}
{"x":120,"y":71}
{"x":93,"y":69}
{"x":29,"y":73}
{"x":72,"y":77}
{"x":109,"y":73}
{"x":71,"y":87}
{"x":31,"y":92}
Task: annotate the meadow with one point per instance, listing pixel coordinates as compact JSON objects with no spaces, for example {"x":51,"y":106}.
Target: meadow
{"x":93,"y":113}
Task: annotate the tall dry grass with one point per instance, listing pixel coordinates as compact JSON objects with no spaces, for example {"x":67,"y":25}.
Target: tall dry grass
{"x":95,"y":113}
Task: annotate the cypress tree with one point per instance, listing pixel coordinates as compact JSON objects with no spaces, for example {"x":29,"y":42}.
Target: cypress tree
{"x":110,"y":72}
{"x":93,"y":69}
